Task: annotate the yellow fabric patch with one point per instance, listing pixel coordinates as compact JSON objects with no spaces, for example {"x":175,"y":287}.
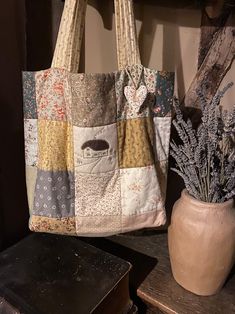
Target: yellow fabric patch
{"x":53,"y":225}
{"x":135,"y":143}
{"x":55,"y":145}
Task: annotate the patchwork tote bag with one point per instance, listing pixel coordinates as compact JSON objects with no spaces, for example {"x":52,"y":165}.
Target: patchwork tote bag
{"x":96,"y":145}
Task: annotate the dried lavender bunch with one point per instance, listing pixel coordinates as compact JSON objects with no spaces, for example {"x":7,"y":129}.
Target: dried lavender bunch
{"x":205,"y":159}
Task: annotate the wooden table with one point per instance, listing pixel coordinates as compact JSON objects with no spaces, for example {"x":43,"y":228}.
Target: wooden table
{"x":159,"y":290}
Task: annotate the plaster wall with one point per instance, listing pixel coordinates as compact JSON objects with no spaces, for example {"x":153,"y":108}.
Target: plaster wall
{"x":169,"y":38}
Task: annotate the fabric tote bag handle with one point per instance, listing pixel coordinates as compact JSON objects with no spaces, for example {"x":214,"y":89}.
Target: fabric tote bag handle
{"x":68,"y":45}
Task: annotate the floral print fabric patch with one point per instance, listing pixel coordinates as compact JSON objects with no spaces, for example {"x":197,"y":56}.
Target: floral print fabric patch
{"x":51,"y":93}
{"x":31,"y":142}
{"x":29,"y":95}
{"x":98,"y":194}
{"x":140,"y":190}
{"x":162,"y":137}
{"x":164,"y":94}
{"x":55,"y":194}
{"x":65,"y":225}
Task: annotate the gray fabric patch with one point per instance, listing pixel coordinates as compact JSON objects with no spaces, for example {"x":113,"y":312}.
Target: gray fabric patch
{"x":29,"y":95}
{"x":93,"y":99}
{"x":54,"y":194}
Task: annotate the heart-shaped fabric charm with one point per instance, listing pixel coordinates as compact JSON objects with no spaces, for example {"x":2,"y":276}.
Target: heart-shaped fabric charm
{"x":135,"y":97}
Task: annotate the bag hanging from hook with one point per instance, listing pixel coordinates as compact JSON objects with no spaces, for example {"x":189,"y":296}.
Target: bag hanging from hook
{"x":96,"y":145}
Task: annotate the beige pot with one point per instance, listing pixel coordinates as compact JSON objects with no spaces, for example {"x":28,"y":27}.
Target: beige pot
{"x":201,"y":239}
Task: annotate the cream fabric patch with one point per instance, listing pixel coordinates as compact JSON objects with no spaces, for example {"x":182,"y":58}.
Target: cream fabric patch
{"x":140,"y":192}
{"x":135,"y":98}
{"x":31,"y":142}
{"x":162,"y":137}
{"x":97,"y":194}
{"x":31,"y":176}
{"x":95,"y":149}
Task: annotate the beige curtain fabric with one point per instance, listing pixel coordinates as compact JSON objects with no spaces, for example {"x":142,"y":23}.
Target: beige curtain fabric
{"x":68,"y":46}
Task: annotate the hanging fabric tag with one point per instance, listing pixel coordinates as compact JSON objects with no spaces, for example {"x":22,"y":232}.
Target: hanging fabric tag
{"x":135,"y":97}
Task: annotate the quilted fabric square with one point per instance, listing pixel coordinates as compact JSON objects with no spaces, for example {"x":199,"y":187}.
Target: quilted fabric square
{"x":55,"y":145}
{"x":135,"y":143}
{"x":52,"y":95}
{"x":162,"y":137}
{"x":93,"y":99}
{"x":131,"y":101}
{"x":29,"y":95}
{"x":140,"y":191}
{"x":150,"y":79}
{"x":31,"y":177}
{"x":97,"y":194}
{"x":64,"y":225}
{"x":162,"y":171}
{"x":54,"y":194}
{"x":31,"y":142}
{"x":164,"y":94}
{"x":121,"y":80}
{"x":95,"y":149}
{"x":135,"y":104}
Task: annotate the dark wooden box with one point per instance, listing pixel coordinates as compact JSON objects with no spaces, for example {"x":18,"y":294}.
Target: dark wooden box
{"x":49,"y":274}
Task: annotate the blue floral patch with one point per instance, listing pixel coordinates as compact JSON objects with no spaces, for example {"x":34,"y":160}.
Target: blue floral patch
{"x":164,"y":94}
{"x":29,"y":95}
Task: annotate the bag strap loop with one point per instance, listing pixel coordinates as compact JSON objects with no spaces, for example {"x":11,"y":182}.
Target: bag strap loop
{"x":68,"y":46}
{"x":127,"y":44}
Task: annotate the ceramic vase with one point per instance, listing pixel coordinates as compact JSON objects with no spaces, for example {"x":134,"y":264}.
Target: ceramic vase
{"x":201,"y":240}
